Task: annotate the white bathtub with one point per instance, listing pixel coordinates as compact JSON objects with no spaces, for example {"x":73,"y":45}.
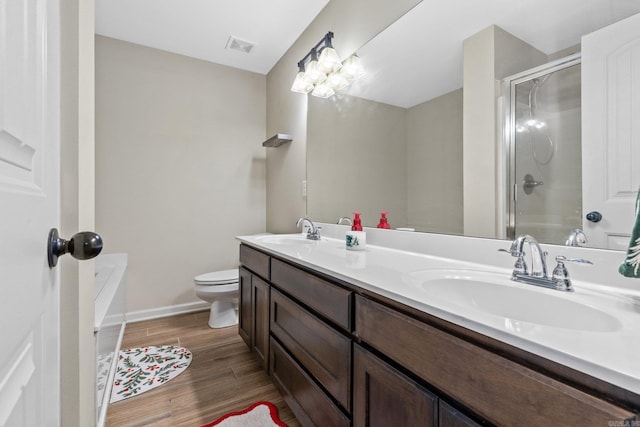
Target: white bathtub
{"x":109,"y":325}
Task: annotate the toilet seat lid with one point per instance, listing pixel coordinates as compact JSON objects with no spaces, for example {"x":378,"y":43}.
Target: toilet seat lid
{"x":218,"y":277}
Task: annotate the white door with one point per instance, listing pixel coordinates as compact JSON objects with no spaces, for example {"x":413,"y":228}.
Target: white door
{"x":29,"y":207}
{"x":611,"y":131}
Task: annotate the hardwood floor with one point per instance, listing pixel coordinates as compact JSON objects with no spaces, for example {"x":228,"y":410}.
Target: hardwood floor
{"x":223,"y":377}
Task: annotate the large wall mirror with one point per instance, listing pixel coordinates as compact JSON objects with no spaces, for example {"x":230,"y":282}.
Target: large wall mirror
{"x":401,"y":139}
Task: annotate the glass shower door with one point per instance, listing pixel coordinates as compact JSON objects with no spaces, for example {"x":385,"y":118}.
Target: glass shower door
{"x":544,"y":145}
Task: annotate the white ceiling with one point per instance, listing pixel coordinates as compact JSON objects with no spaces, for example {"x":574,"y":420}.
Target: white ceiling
{"x":419,"y":57}
{"x":201,"y":28}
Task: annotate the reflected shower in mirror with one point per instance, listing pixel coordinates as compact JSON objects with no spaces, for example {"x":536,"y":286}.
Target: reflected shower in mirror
{"x":545,"y":151}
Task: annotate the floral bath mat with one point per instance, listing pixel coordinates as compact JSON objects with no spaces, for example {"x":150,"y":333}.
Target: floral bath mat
{"x":144,"y":368}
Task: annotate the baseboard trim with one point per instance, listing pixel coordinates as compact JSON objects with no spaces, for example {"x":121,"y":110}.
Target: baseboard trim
{"x":172,"y":310}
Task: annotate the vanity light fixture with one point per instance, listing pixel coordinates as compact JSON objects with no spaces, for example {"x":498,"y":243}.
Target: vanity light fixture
{"x":300,"y":84}
{"x":321,"y":72}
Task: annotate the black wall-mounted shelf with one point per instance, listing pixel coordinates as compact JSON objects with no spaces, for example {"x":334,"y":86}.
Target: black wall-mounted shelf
{"x":277,"y":140}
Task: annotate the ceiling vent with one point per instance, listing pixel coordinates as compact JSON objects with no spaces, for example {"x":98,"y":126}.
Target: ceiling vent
{"x":240,"y":45}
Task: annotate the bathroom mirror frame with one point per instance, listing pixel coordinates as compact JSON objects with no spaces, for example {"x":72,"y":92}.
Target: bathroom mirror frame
{"x":321,"y":197}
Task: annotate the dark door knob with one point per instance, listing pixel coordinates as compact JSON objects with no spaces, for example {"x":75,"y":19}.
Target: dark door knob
{"x":594,"y":216}
{"x":83,"y":245}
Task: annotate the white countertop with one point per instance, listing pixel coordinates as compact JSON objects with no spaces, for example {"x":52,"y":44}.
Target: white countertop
{"x":608,"y":354}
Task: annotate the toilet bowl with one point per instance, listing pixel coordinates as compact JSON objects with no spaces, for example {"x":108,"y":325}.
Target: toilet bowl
{"x":220,"y":289}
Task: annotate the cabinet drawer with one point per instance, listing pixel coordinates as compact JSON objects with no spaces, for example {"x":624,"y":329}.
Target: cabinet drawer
{"x":322,"y":350}
{"x":385,"y":397}
{"x":307,"y":401}
{"x":329,"y":300}
{"x":495,"y":388}
{"x":255,"y":261}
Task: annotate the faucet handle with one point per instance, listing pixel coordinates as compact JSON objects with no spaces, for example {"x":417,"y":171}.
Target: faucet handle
{"x":560,"y":274}
{"x":512,"y":252}
{"x":562,"y":259}
{"x":520,"y":266}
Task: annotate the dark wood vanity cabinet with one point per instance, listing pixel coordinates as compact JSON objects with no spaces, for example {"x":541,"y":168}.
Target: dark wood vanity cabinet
{"x":253,"y":316}
{"x":309,"y":402}
{"x":491,"y":386}
{"x":448,"y":416}
{"x":343,"y":356}
{"x":245,"y":310}
{"x":330,"y":301}
{"x":310,"y":323}
{"x":320,"y":349}
{"x":382,"y":396}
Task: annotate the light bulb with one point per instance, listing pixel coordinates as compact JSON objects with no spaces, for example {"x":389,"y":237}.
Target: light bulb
{"x":337,"y":81}
{"x":300,"y":84}
{"x":322,"y":90}
{"x":352,"y":68}
{"x":313,"y":74}
{"x":329,"y":60}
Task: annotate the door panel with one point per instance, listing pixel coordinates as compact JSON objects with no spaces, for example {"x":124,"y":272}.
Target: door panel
{"x":29,"y":201}
{"x":611,"y":131}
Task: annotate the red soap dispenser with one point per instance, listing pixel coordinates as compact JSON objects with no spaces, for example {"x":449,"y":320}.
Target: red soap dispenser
{"x":383,"y":221}
{"x":357,"y":224}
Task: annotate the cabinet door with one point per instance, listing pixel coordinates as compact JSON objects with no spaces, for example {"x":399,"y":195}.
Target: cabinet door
{"x":385,"y":397}
{"x":451,"y":417}
{"x":260,"y":325}
{"x":245,"y":314}
{"x":476,"y":377}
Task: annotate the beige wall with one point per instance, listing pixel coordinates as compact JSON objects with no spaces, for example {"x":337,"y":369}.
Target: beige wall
{"x":367,"y":156}
{"x":489,"y":56}
{"x":434,"y":165}
{"x":180,"y":166}
{"x":356,"y":160}
{"x":77,"y":282}
{"x":353,"y":22}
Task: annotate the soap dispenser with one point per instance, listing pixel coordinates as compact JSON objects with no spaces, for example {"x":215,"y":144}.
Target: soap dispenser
{"x":357,"y":223}
{"x":383,"y":221}
{"x":356,"y":239}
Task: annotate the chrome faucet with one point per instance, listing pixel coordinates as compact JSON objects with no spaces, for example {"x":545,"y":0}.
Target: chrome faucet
{"x":538,"y":256}
{"x":345,"y":220}
{"x":576,"y":238}
{"x":313,"y":232}
{"x":537,"y":275}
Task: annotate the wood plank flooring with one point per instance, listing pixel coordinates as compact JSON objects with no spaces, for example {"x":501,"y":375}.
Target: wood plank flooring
{"x":224,"y":376}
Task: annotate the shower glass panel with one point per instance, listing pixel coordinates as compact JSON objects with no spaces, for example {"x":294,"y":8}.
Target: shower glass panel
{"x":543,"y":138}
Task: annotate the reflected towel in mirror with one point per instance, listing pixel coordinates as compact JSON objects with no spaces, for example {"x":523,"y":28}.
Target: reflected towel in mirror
{"x":631,"y":265}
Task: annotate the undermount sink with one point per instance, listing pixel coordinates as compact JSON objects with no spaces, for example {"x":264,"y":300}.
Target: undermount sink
{"x":497,"y":295}
{"x":289,"y":239}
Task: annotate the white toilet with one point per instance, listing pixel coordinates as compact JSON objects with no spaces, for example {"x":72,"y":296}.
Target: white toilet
{"x":220,"y":289}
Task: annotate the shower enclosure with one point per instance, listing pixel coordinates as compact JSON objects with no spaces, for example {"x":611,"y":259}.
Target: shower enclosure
{"x":543,"y":146}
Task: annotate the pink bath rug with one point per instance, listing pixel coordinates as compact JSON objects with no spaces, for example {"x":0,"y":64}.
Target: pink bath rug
{"x":144,"y":368}
{"x":260,"y":414}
